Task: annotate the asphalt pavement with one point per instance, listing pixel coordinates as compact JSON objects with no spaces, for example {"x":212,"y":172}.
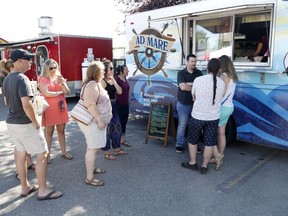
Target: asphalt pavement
{"x":149,"y":180}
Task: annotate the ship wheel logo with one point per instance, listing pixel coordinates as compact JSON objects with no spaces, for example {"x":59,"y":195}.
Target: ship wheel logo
{"x":150,"y":49}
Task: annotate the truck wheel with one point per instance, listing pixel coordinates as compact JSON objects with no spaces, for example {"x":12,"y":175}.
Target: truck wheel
{"x":230,"y":131}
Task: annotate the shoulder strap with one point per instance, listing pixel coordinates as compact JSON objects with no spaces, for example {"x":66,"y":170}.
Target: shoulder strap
{"x":99,"y":93}
{"x":83,"y":89}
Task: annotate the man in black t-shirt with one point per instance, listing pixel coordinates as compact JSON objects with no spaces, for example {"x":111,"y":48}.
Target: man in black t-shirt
{"x":185,"y":79}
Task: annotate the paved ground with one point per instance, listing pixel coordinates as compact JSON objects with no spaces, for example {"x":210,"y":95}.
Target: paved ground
{"x":150,"y":181}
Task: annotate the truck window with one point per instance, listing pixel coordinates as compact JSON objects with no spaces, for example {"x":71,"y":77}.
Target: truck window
{"x":236,"y":35}
{"x":250,"y":30}
{"x":213,"y":38}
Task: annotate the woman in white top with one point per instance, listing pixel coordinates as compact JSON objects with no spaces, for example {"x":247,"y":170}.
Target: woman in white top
{"x":229,"y":76}
{"x":207,"y":93}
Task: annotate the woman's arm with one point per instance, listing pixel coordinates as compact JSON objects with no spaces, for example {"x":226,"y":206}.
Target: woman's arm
{"x":91,"y":93}
{"x":61,"y":81}
{"x":44,"y":90}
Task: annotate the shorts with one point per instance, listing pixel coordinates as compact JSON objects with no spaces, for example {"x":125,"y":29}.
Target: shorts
{"x":95,"y":138}
{"x":27,"y":138}
{"x":207,"y":129}
{"x":225,"y":114}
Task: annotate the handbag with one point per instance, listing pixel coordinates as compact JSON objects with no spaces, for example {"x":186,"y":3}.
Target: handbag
{"x":40,"y":104}
{"x":80,"y":113}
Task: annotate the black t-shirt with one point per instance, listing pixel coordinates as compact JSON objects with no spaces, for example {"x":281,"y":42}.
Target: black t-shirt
{"x":183,"y":76}
{"x":111,"y":89}
{"x":16,"y":85}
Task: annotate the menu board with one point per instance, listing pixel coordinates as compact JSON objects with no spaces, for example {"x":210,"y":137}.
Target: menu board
{"x":161,"y":121}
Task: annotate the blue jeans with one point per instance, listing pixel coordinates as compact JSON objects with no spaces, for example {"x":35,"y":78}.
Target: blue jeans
{"x":184,"y":113}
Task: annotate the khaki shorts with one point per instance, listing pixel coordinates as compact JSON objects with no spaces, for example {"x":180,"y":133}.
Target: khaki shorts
{"x":95,"y":138}
{"x":27,"y":138}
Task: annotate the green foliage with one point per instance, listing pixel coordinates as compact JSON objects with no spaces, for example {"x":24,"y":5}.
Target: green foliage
{"x":132,"y":6}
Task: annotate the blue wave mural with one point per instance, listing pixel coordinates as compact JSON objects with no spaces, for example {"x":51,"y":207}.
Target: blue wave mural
{"x":161,"y":89}
{"x":261,"y":118}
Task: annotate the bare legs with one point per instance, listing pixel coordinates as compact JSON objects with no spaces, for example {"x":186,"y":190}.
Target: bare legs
{"x":207,"y":154}
{"x":218,"y":151}
{"x":49,"y":130}
{"x":41,"y":170}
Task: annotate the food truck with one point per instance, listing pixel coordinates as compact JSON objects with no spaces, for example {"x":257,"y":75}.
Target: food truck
{"x":159,"y":40}
{"x":72,"y":52}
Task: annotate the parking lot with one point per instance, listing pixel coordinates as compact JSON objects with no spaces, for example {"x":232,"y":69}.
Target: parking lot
{"x":149,"y":180}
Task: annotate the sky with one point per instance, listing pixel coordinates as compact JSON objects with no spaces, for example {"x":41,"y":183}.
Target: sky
{"x":84,"y":17}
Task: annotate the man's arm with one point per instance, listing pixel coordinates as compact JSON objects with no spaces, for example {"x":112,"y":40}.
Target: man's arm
{"x":186,"y":86}
{"x":29,"y":110}
{"x":183,"y":85}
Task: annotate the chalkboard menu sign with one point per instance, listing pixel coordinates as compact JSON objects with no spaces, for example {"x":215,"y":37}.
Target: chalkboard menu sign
{"x":161,"y":122}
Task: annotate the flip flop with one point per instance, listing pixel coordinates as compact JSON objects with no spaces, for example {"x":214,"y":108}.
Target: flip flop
{"x":31,"y":167}
{"x":119,"y":152}
{"x":67,"y":156}
{"x":98,"y":170}
{"x":51,"y":195}
{"x":126,"y":143}
{"x":94,"y":182}
{"x":32,"y":189}
{"x":109,"y":156}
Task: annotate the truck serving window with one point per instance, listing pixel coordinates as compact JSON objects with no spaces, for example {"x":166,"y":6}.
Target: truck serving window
{"x":235,"y":35}
{"x":213,"y":38}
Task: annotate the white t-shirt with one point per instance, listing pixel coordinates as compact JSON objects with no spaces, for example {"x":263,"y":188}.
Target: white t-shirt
{"x":203,"y":108}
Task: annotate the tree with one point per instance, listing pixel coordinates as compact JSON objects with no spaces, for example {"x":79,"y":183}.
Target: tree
{"x":132,"y":6}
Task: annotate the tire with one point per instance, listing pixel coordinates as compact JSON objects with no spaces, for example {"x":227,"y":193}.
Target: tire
{"x":230,"y":131}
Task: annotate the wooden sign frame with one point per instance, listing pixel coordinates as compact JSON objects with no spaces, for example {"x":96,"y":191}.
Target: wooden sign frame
{"x":161,"y":122}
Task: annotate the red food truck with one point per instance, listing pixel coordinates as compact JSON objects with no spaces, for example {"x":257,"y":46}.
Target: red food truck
{"x":73,"y":53}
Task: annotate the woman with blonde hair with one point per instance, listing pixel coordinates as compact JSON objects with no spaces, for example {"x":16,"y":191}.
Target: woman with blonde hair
{"x":93,"y":93}
{"x":229,"y":76}
{"x":54,"y":88}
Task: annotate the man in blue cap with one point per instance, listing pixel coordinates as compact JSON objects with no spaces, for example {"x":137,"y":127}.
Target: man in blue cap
{"x":23,"y":126}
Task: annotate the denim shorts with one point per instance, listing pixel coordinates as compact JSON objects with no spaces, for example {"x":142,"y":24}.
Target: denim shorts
{"x":207,"y":129}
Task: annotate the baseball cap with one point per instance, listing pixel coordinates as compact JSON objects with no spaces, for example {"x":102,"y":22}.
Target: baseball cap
{"x":20,"y":54}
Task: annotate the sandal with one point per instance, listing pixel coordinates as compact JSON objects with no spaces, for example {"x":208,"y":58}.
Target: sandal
{"x":49,"y":160}
{"x":94,"y":182}
{"x":219,"y":161}
{"x":31,"y":166}
{"x":17,"y":176}
{"x":120,"y":151}
{"x":126,"y":143}
{"x":109,"y":156}
{"x":212,"y":161}
{"x":67,"y":156}
{"x":98,"y":171}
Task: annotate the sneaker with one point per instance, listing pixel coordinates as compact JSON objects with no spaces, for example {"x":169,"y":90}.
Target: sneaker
{"x":203,"y":170}
{"x":189,"y":166}
{"x":179,"y":149}
{"x":199,"y":151}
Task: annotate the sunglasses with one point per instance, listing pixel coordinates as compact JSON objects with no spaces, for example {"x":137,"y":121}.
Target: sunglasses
{"x":52,"y":68}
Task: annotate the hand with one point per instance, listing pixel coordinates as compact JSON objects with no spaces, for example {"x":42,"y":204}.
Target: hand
{"x":60,"y":80}
{"x":101,"y":125}
{"x":36,"y":125}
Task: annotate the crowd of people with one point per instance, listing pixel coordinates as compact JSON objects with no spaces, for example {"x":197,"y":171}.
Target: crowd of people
{"x":204,"y":105}
{"x":100,"y":87}
{"x":211,"y":108}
